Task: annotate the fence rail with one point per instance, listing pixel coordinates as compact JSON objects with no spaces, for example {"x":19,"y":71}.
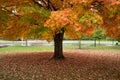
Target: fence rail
{"x":65,"y":43}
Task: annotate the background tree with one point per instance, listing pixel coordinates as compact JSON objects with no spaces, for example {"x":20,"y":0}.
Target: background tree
{"x":98,"y":35}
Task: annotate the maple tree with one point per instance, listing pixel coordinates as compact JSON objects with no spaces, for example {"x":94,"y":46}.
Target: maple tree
{"x":69,"y":17}
{"x":59,"y":23}
{"x":67,"y":22}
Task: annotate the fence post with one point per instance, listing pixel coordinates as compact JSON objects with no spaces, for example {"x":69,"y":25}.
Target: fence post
{"x":79,"y":43}
{"x":95,"y":42}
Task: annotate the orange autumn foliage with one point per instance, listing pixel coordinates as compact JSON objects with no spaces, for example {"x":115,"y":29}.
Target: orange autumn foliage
{"x":66,"y":19}
{"x":66,"y":13}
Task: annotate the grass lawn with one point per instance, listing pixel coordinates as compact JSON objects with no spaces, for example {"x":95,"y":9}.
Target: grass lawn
{"x":32,"y":63}
{"x":25,"y":49}
{"x":103,"y":47}
{"x":51,"y":48}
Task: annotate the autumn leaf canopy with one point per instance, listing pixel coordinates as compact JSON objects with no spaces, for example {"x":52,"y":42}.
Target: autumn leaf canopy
{"x":28,"y":17}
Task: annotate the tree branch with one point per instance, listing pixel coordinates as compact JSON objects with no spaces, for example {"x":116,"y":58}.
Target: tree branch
{"x":46,"y":4}
{"x":50,"y":6}
{"x":13,"y":11}
{"x":41,"y":3}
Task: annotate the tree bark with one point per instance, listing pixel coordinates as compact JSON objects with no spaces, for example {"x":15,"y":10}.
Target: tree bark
{"x":99,"y":42}
{"x":79,"y":43}
{"x":26,"y":42}
{"x":58,"y":47}
{"x":95,"y":42}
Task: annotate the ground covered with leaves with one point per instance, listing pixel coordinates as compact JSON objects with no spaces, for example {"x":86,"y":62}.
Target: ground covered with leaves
{"x":78,"y":65}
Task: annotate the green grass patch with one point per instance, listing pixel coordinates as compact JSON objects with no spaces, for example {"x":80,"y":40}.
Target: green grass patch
{"x":102,"y":47}
{"x":51,"y":48}
{"x":25,"y":48}
{"x":32,"y":48}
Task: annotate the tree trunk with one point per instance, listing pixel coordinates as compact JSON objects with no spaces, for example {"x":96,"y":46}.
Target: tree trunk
{"x":26,"y":42}
{"x":79,"y":43}
{"x":112,"y":42}
{"x":58,"y":47}
{"x":95,"y":42}
{"x":99,"y":42}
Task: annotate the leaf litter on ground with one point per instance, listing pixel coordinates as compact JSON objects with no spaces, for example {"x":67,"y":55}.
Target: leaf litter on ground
{"x":78,"y":65}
